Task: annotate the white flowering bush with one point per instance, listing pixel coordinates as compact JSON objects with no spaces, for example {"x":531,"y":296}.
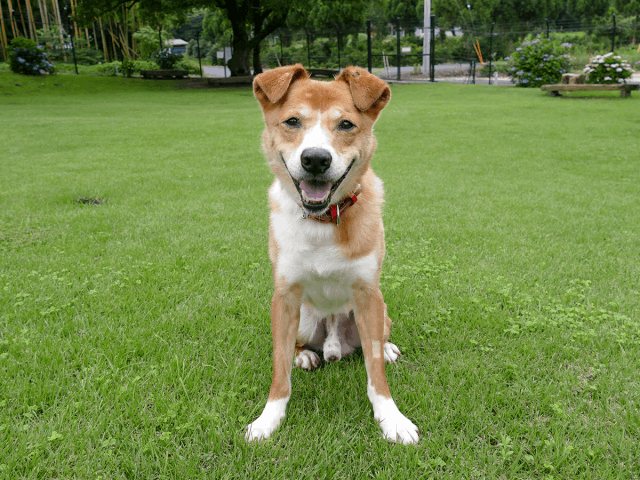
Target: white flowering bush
{"x":27,"y":58}
{"x":608,"y":68}
{"x":537,"y":63}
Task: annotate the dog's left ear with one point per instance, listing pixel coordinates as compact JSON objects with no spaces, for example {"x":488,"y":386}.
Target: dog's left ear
{"x":272,"y":85}
{"x":370,"y":94}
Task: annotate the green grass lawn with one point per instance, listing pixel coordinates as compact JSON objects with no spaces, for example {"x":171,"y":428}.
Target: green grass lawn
{"x":135,"y":288}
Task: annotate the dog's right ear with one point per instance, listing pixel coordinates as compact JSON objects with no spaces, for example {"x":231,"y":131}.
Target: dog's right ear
{"x":271,"y":86}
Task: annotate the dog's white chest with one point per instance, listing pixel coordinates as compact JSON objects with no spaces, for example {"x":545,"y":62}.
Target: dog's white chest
{"x":308,"y":255}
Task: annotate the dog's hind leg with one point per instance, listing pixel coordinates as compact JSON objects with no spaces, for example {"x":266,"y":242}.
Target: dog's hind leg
{"x":306,"y":359}
{"x":310,"y":337}
{"x":391,"y":352}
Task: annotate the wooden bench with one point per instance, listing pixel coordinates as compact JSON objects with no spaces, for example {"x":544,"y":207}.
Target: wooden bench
{"x":164,"y":73}
{"x":625,"y":89}
{"x":230,"y":81}
{"x":322,"y":72}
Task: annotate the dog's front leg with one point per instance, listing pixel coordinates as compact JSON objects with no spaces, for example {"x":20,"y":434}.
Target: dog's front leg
{"x":285,"y":317}
{"x":370,"y":317}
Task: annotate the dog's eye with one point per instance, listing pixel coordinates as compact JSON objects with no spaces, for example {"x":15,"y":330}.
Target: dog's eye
{"x":293,"y":122}
{"x":346,"y":125}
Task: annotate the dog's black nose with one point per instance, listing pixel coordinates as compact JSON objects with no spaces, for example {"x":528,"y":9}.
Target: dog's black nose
{"x":315,"y":160}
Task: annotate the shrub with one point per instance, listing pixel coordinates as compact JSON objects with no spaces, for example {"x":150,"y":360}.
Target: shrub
{"x":27,"y":58}
{"x":109,"y":69}
{"x":144,"y":65}
{"x":537,"y":63}
{"x":166,"y":59}
{"x":127,"y":67}
{"x":87,"y":56}
{"x":189,"y":65}
{"x":608,"y":68}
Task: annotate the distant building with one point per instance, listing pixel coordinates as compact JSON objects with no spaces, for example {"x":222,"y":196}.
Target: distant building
{"x":177,"y":45}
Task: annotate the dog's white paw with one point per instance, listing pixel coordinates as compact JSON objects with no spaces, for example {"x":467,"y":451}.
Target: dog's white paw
{"x":395,"y":426}
{"x":391,"y":353}
{"x":266,"y":423}
{"x":398,"y":428}
{"x":307,"y":359}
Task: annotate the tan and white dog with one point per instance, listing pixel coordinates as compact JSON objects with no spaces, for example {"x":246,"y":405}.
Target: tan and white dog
{"x":326,"y":238}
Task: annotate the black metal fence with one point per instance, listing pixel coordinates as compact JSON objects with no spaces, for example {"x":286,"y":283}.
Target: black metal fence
{"x":397,"y":48}
{"x":393,"y":50}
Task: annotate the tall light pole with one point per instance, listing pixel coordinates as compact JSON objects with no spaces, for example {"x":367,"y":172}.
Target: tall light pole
{"x":426,"y":38}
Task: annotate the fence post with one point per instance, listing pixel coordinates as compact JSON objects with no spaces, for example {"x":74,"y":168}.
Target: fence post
{"x":308,"y":48}
{"x":281,"y":48}
{"x":199,"y":59}
{"x":547,"y":21}
{"x":432,"y":50}
{"x":339,"y":48}
{"x":613,"y":36}
{"x":491,"y":50}
{"x":399,"y":49}
{"x":369,"y":46}
{"x":73,"y":47}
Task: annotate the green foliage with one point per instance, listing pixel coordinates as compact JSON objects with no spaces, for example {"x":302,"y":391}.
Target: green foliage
{"x":216,"y":25}
{"x":205,"y":47}
{"x":87,"y":56}
{"x":109,"y":69}
{"x":324,"y":51}
{"x":127,"y":67}
{"x":189,"y":65}
{"x":148,"y":41}
{"x":537,"y":63}
{"x":28,"y":58}
{"x":112,"y":69}
{"x":323,"y":14}
{"x":608,"y":68}
{"x":166,"y":59}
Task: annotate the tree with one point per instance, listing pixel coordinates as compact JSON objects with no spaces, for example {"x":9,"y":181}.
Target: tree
{"x":251,"y":20}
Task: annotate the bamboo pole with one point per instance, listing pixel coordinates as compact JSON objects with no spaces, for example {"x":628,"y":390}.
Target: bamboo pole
{"x":58,"y":18}
{"x":41,"y":14}
{"x":126,"y":28}
{"x":95,"y":35}
{"x":12,"y":20}
{"x":32,"y":22}
{"x":56,"y":11}
{"x":3,"y":35}
{"x":104,"y":43}
{"x":45,"y":16}
{"x":24,"y":30}
{"x":75,"y":25}
{"x":134,"y":29}
{"x":113,"y":39}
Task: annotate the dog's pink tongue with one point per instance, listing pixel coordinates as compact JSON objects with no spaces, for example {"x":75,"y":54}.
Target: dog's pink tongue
{"x":315,"y":190}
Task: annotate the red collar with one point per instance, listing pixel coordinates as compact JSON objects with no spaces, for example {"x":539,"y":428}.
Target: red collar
{"x":333,"y":214}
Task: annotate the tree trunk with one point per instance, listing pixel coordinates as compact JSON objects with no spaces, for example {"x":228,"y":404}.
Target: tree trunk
{"x":257,"y":63}
{"x":240,"y":63}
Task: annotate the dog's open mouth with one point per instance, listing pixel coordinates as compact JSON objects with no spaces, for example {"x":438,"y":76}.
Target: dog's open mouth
{"x":316,"y":193}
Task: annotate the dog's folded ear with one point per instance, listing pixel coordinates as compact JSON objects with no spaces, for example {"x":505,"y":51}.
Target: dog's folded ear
{"x":271,"y":86}
{"x":370,"y":94}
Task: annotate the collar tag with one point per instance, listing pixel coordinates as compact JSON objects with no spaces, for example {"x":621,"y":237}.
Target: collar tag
{"x":335,"y":214}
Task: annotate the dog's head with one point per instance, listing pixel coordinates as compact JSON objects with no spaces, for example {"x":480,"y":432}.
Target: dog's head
{"x":319,"y":135}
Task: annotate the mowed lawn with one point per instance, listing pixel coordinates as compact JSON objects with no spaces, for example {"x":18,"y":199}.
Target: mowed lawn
{"x":135,"y":288}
